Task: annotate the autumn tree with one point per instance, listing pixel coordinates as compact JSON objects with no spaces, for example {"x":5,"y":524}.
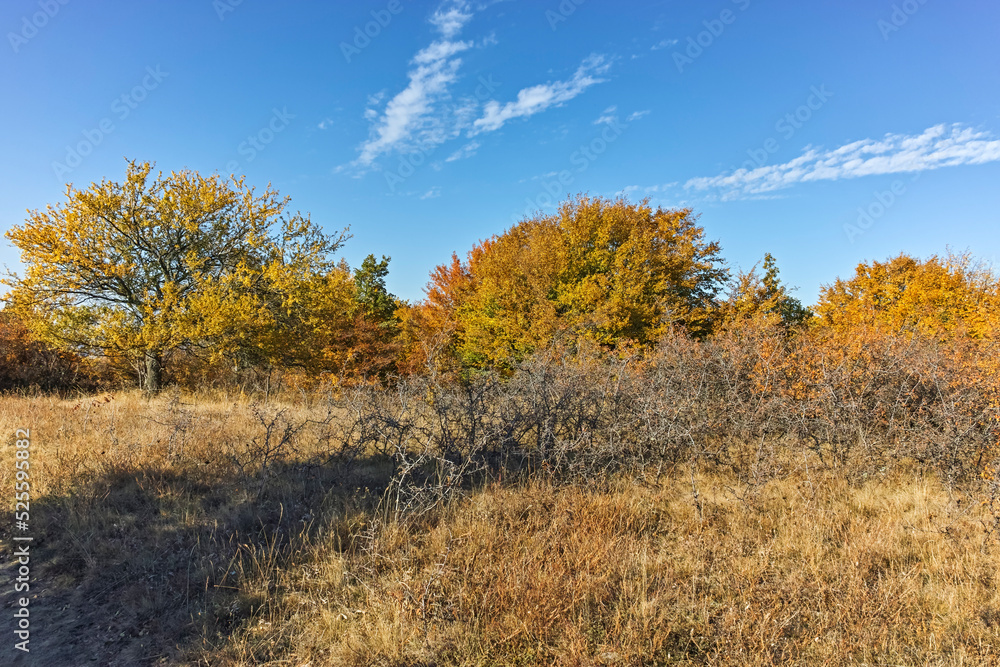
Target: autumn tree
{"x":428,"y":329}
{"x":341,"y":324}
{"x":180,"y":261}
{"x":607,"y":270}
{"x":940,"y":297}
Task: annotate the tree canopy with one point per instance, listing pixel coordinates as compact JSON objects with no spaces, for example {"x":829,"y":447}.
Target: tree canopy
{"x":185,"y":277}
{"x":607,"y":270}
{"x":180,"y":261}
{"x":939,"y":296}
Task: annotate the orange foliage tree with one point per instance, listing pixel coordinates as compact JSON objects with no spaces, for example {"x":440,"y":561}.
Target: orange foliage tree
{"x":940,"y":297}
{"x":606,"y":270}
{"x":904,"y":339}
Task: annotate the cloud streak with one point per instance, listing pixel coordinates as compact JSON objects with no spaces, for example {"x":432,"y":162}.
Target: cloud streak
{"x":426,"y":114}
{"x":663,"y":44}
{"x":468,"y":150}
{"x":436,"y":69}
{"x":451,"y":17}
{"x":936,"y":147}
{"x":536,"y":99}
{"x":607,"y":116}
{"x":407,"y":117}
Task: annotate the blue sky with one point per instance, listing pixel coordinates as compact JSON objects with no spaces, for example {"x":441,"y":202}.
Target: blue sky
{"x":825,"y":133}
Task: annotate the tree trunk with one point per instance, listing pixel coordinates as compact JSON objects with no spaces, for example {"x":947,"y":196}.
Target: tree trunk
{"x":154,"y":372}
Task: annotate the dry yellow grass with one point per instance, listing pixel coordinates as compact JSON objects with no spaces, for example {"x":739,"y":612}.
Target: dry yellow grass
{"x":155,"y":548}
{"x":810,"y":571}
{"x":139,"y":513}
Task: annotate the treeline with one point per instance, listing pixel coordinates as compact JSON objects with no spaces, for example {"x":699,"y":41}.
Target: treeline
{"x":203,"y":282}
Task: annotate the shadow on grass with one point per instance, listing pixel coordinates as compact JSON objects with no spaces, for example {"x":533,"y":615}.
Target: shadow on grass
{"x":144,"y":566}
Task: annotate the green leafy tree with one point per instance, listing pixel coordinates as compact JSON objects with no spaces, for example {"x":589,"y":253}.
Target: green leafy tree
{"x":754,"y":295}
{"x":776,"y":294}
{"x":372,"y":294}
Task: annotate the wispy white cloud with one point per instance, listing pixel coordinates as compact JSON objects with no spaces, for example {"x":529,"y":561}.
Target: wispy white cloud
{"x":936,"y":147}
{"x":607,"y":116}
{"x":663,"y":44}
{"x":408,"y":118}
{"x":438,"y":52}
{"x":325,"y":124}
{"x":610,"y":115}
{"x":539,"y":98}
{"x":432,"y":193}
{"x":427,"y":113}
{"x":650,"y":189}
{"x":451,"y":17}
{"x":435,"y":70}
{"x":468,"y":150}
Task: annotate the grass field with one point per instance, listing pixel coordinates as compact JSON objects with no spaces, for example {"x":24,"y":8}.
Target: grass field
{"x":208,"y":530}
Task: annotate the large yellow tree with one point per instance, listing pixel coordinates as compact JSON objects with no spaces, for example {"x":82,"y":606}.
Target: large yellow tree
{"x":603,"y":269}
{"x":180,"y":261}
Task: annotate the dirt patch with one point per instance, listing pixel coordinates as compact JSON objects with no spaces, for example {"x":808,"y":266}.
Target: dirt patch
{"x":77,"y":625}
